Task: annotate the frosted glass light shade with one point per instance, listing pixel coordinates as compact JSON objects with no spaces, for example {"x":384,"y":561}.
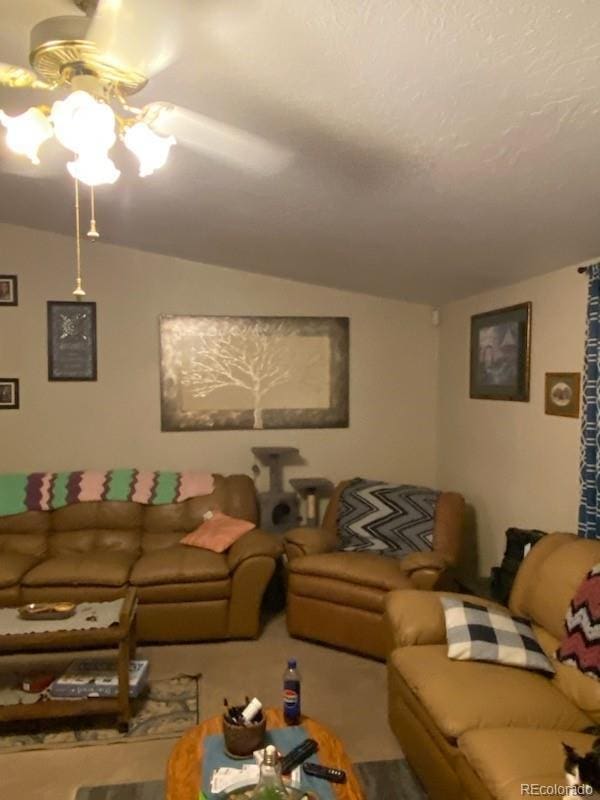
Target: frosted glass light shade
{"x":83,"y":123}
{"x":151,"y":149}
{"x":27,"y":132}
{"x":93,"y":169}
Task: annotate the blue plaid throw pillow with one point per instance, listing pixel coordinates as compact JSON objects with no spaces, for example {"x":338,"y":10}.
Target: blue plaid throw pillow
{"x":477,"y":633}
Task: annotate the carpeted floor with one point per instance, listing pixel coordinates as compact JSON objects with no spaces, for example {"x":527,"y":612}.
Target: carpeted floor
{"x":345,"y":692}
{"x":381,"y":780}
{"x":165,"y":711}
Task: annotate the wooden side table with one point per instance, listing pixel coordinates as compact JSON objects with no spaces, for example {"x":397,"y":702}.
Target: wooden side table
{"x":184,"y":769}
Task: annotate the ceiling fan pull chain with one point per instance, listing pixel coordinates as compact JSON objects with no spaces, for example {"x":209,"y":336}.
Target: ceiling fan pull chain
{"x":92,"y":234}
{"x":78,"y":291}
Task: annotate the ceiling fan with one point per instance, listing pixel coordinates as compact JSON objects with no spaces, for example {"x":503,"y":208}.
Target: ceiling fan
{"x":100,"y":60}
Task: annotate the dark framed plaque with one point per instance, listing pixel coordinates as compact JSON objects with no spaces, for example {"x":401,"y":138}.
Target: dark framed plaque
{"x":71,"y":341}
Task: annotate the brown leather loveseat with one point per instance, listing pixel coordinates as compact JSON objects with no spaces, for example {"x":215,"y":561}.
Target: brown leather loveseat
{"x":94,"y":551}
{"x":338,"y":597}
{"x":482,"y":730}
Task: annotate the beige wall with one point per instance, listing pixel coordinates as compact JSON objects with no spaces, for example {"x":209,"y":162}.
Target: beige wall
{"x":116,"y":421}
{"x":515,"y":465}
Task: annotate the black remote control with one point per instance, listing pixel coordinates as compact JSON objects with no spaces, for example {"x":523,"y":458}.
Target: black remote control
{"x":327,"y":773}
{"x":298,"y":755}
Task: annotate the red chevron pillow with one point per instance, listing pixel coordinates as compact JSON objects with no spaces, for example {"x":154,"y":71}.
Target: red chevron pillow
{"x":580,"y":646}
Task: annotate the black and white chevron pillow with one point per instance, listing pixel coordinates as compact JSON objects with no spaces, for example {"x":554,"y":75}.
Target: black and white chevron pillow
{"x":393,"y":520}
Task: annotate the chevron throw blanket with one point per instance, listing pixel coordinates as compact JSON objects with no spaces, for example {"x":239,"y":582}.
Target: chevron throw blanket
{"x":45,"y":491}
{"x":580,"y":646}
{"x":385,"y":518}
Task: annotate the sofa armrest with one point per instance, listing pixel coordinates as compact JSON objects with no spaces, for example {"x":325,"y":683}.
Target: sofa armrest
{"x":424,"y":560}
{"x":308,"y":542}
{"x":414,"y":617}
{"x":254,"y":543}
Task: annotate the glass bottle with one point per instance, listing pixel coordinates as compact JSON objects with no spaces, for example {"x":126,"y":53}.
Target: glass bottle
{"x":270,"y":786}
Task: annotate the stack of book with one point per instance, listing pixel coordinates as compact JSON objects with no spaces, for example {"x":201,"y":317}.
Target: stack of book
{"x":98,"y":678}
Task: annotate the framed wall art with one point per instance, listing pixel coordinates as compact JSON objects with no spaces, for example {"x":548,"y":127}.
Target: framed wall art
{"x":500,"y":353}
{"x":9,"y":294}
{"x":71,"y":341}
{"x":231,"y":373}
{"x":9,"y":393}
{"x":562,"y":393}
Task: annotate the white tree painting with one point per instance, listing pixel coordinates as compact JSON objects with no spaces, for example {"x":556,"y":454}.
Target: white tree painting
{"x":245,"y":357}
{"x":223,"y":373}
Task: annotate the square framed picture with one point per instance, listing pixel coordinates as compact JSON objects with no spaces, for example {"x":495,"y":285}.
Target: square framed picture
{"x":500,"y":353}
{"x":563,"y":393}
{"x":9,"y":294}
{"x":71,"y":341}
{"x":9,"y":393}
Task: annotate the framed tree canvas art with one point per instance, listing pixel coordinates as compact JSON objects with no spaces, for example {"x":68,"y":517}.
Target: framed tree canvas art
{"x":500,"y":353}
{"x":220,"y":373}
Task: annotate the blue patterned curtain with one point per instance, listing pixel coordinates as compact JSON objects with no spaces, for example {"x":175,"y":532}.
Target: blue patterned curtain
{"x":589,"y":509}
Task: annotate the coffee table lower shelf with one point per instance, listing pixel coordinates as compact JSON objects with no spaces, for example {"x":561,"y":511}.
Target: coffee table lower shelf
{"x":52,"y":709}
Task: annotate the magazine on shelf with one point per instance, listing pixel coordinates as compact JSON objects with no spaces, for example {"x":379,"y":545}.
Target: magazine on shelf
{"x":98,"y":678}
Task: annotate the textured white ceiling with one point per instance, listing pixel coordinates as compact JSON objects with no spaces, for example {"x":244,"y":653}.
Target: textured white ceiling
{"x":440,"y":148}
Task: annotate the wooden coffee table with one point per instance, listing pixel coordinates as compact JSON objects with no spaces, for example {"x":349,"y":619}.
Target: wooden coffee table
{"x":184,"y":770}
{"x":121,"y":636}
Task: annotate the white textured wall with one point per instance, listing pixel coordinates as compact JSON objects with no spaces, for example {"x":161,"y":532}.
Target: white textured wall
{"x":515,"y":465}
{"x":116,"y":421}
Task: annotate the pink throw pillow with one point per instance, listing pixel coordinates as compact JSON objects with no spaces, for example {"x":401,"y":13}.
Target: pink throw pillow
{"x":218,"y":532}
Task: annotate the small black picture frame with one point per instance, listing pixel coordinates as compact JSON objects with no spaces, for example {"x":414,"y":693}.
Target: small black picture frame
{"x":9,"y":393}
{"x":9,"y":290}
{"x":72,"y":341}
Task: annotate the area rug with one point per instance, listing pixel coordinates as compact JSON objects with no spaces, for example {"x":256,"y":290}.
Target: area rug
{"x":381,"y":780}
{"x":168,"y":708}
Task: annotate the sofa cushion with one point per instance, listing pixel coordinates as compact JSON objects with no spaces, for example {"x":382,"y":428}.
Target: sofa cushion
{"x":94,"y":568}
{"x":13,"y":566}
{"x":364,"y":569}
{"x":506,"y":758}
{"x":463,"y":695}
{"x":580,"y":689}
{"x":478,"y":633}
{"x":179,"y":564}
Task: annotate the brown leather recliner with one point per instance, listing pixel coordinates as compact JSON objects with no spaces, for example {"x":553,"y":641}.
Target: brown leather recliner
{"x":338,"y":597}
{"x":475,"y":730}
{"x":94,"y":551}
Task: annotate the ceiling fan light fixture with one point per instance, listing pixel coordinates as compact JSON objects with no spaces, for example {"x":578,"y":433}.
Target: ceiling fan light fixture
{"x":82,"y":123}
{"x":93,"y":169}
{"x":27,"y":132}
{"x":151,"y":149}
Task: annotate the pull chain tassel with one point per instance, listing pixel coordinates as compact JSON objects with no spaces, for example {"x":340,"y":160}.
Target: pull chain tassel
{"x":78,"y":291}
{"x":92,"y":234}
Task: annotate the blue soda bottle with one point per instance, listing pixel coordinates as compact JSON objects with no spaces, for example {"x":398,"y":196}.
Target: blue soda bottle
{"x":291,"y":694}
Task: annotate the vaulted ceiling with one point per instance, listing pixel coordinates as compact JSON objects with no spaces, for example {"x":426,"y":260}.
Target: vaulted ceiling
{"x":439,"y":148}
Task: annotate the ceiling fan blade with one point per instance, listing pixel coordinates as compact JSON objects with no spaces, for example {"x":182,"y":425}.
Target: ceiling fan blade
{"x":20,"y":78}
{"x":217,"y":140}
{"x":143,"y":35}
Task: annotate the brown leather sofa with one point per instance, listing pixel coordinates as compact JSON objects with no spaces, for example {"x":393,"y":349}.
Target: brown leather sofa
{"x":338,"y":597}
{"x":94,"y":551}
{"x":480,"y":730}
